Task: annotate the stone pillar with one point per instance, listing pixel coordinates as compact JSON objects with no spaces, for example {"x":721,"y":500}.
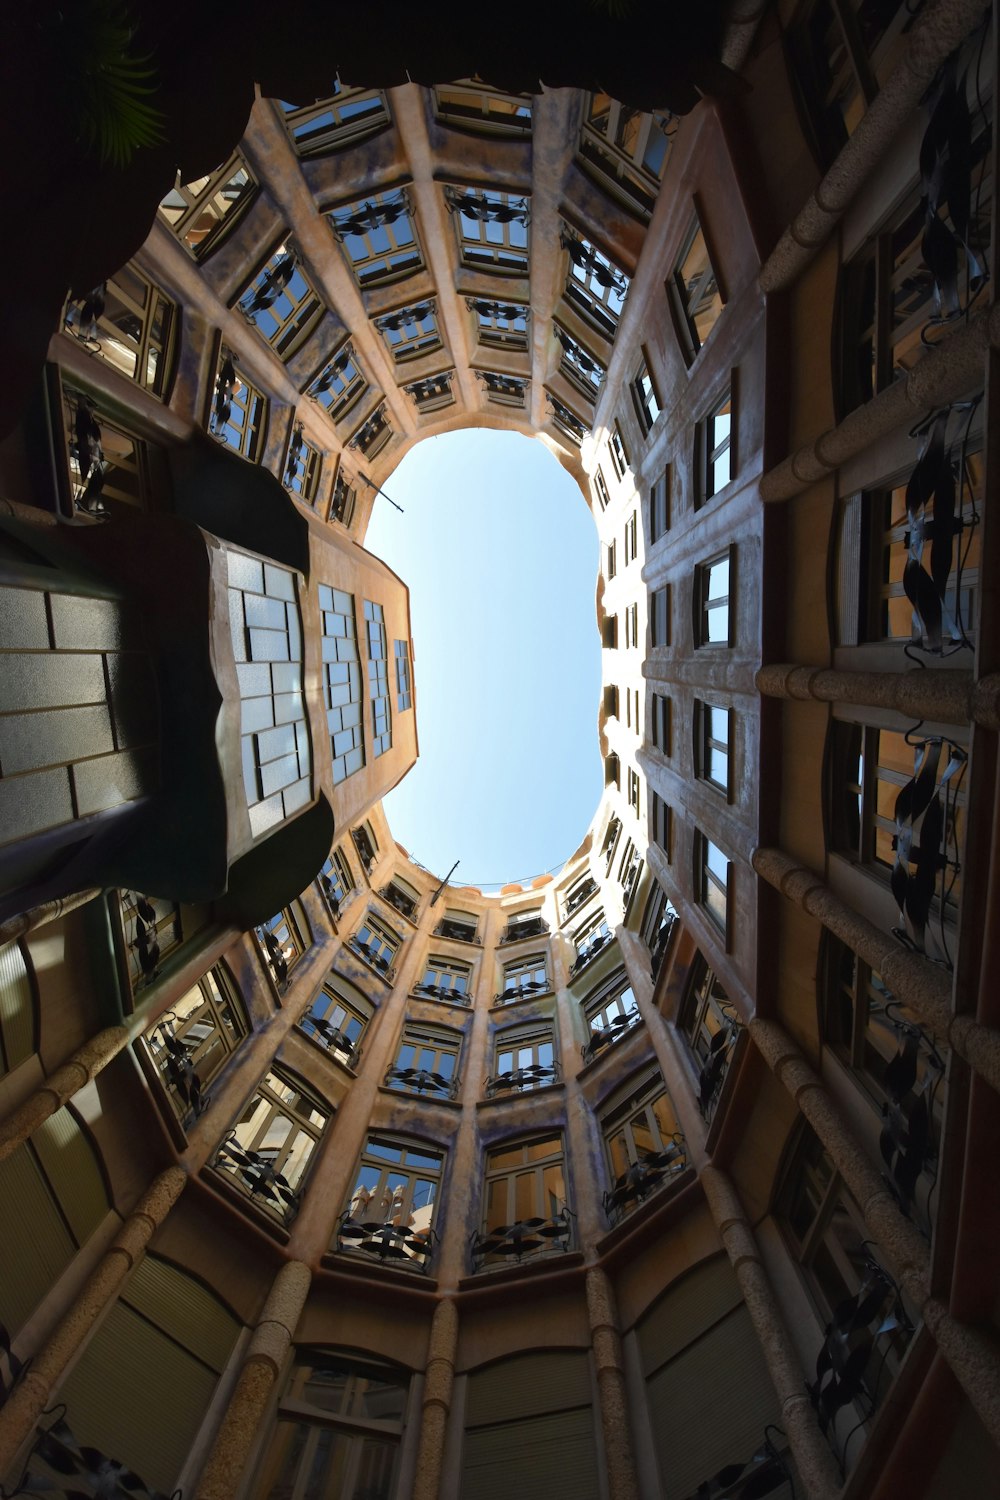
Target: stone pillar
{"x":943,"y":27}
{"x":27,"y":921}
{"x":917,"y":983}
{"x":953,"y":368}
{"x":34,"y":1390}
{"x":438,"y":1382}
{"x":264,"y":1358}
{"x":814,"y":1459}
{"x":607,"y":1346}
{"x":61,"y":1085}
{"x":946,"y":697}
{"x":974,"y":1356}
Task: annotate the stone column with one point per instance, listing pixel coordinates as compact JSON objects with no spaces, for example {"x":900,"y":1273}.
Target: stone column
{"x":953,"y":368}
{"x":607,"y":1346}
{"x":61,"y":1085}
{"x":34,"y":1390}
{"x":974,"y":1356}
{"x":439,"y":1379}
{"x":942,"y":28}
{"x":813,"y":1457}
{"x":947,"y":697}
{"x":264,"y":1358}
{"x":917,"y":983}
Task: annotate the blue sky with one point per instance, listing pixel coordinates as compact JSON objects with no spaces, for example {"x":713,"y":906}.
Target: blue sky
{"x":500,"y":554}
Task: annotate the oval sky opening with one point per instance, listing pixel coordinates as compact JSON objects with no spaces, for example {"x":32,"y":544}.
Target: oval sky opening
{"x":500,"y":554}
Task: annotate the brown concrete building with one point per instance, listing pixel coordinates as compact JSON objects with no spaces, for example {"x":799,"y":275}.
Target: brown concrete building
{"x":671,"y":1175}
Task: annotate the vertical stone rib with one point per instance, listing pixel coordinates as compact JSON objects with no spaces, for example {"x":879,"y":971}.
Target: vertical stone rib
{"x":264,"y":1358}
{"x":606,"y":1343}
{"x":439,"y":1380}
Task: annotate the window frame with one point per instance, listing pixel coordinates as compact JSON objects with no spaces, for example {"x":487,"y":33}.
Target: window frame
{"x":705,"y":601}
{"x":713,"y":450}
{"x":214,"y":185}
{"x":708,"y":747}
{"x":231,"y":390}
{"x":401,"y":258}
{"x":708,"y":880}
{"x":283,"y":1184}
{"x":685,"y":309}
{"x":346,"y":128}
{"x":405,"y":1246}
{"x":176,"y":1062}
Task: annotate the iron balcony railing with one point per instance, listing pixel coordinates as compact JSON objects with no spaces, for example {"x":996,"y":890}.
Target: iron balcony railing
{"x":446,"y":992}
{"x":366,"y":853}
{"x":277,"y":962}
{"x":715,"y":1067}
{"x":532,"y":928}
{"x":519,"y":1080}
{"x":458,"y":932}
{"x":182,"y":1075}
{"x":255,"y":1173}
{"x":336,"y":902}
{"x":527,"y":1237}
{"x":372,"y":956}
{"x":397,"y":1245}
{"x":606,"y":1036}
{"x":398,"y":899}
{"x":661,"y":943}
{"x":421,"y":1081}
{"x":580,"y":895}
{"x":652,"y":1171}
{"x":521,"y":991}
{"x":589,"y":951}
{"x":331,"y":1038}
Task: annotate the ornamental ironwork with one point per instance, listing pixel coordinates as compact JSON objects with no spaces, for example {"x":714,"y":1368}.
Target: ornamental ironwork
{"x":225,"y":389}
{"x":853,"y":1352}
{"x":521,"y":991}
{"x":84,"y":314}
{"x":421,"y":1081}
{"x":911,"y":1081}
{"x":87,"y":447}
{"x":405,"y":317}
{"x":487,"y":209}
{"x":259,"y":299}
{"x":277,"y":962}
{"x":565,"y":417}
{"x":329,"y":891}
{"x":368,"y":216}
{"x":593,"y":262}
{"x":370,"y":430}
{"x":182,"y":1075}
{"x":58,"y":1464}
{"x":661,"y":942}
{"x":760,"y":1475}
{"x":331,"y":1038}
{"x":296,"y":446}
{"x":442,"y":992}
{"x":366,"y":850}
{"x":715,"y":1066}
{"x":606,"y":1036}
{"x":257,"y":1174}
{"x":144,"y":940}
{"x":403,"y":903}
{"x":497,"y":384}
{"x":392,"y":1244}
{"x":596,"y":945}
{"x":650,"y":1172}
{"x":926,"y":855}
{"x":526,"y":1237}
{"x":577,"y":357}
{"x":534,"y":1076}
{"x":504,"y":312}
{"x":580,"y":894}
{"x":434,"y":388}
{"x":371,"y":955}
{"x":341,"y":509}
{"x":459,"y":932}
{"x":531,"y":927}
{"x":948,"y":247}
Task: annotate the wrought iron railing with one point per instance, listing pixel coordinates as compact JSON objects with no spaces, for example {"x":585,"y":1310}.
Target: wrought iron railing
{"x":652,"y":1171}
{"x":443,"y":992}
{"x":182,"y":1075}
{"x":58,"y":1464}
{"x":329,"y":891}
{"x":534,"y":1076}
{"x":852,"y":1358}
{"x":459,"y":932}
{"x":256,"y":1174}
{"x":532,"y":928}
{"x":527,"y":1237}
{"x":715,"y":1066}
{"x":660,"y":943}
{"x":371,"y":955}
{"x":398,"y":899}
{"x":277,"y":962}
{"x":907,"y":1140}
{"x":606,"y":1036}
{"x":392,"y":1244}
{"x":331,"y":1038}
{"x":930,"y":854}
{"x":521,"y":991}
{"x":597,"y":944}
{"x":580,"y":895}
{"x":421,"y":1081}
{"x":366,"y":853}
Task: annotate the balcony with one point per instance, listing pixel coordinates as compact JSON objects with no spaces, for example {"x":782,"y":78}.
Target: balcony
{"x":588,"y":951}
{"x":400,"y":901}
{"x":458,"y":932}
{"x":528,"y":1237}
{"x":661,"y":942}
{"x":367,"y":853}
{"x":651,"y":1172}
{"x":419,"y":1081}
{"x":521,"y":1080}
{"x":331,"y":1039}
{"x":372,"y":956}
{"x":521,"y":991}
{"x":390,"y":1244}
{"x":334,"y":901}
{"x":531,"y":927}
{"x":444,"y":992}
{"x":255,"y":1174}
{"x":715,"y":1067}
{"x":580,"y":895}
{"x":607,"y":1036}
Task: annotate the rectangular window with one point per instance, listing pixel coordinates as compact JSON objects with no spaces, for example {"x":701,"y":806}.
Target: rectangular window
{"x":610,"y":1014}
{"x":590,"y":939}
{"x":269,"y":1148}
{"x":390,"y":1214}
{"x":379,"y":238}
{"x":267,"y":647}
{"x":633,"y":790}
{"x":372,"y":436}
{"x":239,"y":412}
{"x":447,"y":979}
{"x":610,"y":568}
{"x":524,"y":1181}
{"x":595,"y":287}
{"x":713,"y":592}
{"x":662,"y":723}
{"x":580,"y":366}
{"x":522,"y":978}
{"x":631,"y":539}
{"x":659,"y":617}
{"x":643,"y":1142}
{"x":303,"y":466}
{"x":347,"y":117}
{"x":191,"y":1042}
{"x":152,"y":929}
{"x":660,"y":823}
{"x":281,"y":304}
{"x":713,"y":729}
{"x":337,"y":1024}
{"x":626,"y":151}
{"x":129,"y":324}
{"x":715,"y":457}
{"x":696,"y":300}
{"x":341,"y":682}
{"x":713,"y":880}
{"x":404,"y":691}
{"x":492,"y":229}
{"x":659,"y":507}
{"x":402,"y":896}
{"x":284,"y":938}
{"x":340,"y":385}
{"x":377,"y":943}
{"x":609,"y":632}
{"x":523,"y":1059}
{"x":366,"y":844}
{"x":499,"y":325}
{"x":461,"y":926}
{"x":567,"y":420}
{"x":202,"y":212}
{"x":619,"y":453}
{"x":107,"y":466}
{"x":484,"y":111}
{"x":645,"y":399}
{"x":602,"y":490}
{"x":336,"y":880}
{"x":410,"y":332}
{"x":378,"y":678}
{"x":433,"y":393}
{"x":632,"y":625}
{"x":342,"y":500}
{"x":503,"y":390}
{"x":427,"y":1062}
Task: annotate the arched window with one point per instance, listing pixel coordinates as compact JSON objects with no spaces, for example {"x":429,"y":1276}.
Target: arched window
{"x":269,"y":1147}
{"x":390,"y":1214}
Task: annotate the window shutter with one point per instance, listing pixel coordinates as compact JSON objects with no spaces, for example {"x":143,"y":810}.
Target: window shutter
{"x":696,"y":1302}
{"x":17,"y":1011}
{"x":35,"y":1247}
{"x":530,"y":1429}
{"x":68,"y":1161}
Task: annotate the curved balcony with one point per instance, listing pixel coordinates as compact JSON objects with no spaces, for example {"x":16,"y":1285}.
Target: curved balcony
{"x":652,"y":1171}
{"x":390,"y":1244}
{"x":443,"y":992}
{"x":525,"y":1238}
{"x":256,"y":1175}
{"x":535,"y":1076}
{"x":606,"y":1036}
{"x":534,"y":927}
{"x":420,"y":1081}
{"x":331,"y":1039}
{"x":590,"y":951}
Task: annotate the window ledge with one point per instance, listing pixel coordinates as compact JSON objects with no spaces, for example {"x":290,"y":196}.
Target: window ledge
{"x":523,"y":1000}
{"x":355,"y":1263}
{"x":504,"y":1099}
{"x":416,"y":1098}
{"x":552,"y":1261}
